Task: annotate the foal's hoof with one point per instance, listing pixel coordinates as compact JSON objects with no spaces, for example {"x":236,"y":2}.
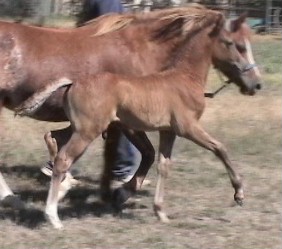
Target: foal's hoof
{"x":13,"y":201}
{"x":239,"y":199}
{"x":120,"y":196}
{"x":239,"y":202}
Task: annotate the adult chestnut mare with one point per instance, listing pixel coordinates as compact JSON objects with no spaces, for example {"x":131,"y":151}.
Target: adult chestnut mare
{"x":170,"y":101}
{"x":30,"y":57}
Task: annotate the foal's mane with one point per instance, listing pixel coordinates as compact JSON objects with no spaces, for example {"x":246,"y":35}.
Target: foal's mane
{"x":181,"y":29}
{"x":188,"y":24}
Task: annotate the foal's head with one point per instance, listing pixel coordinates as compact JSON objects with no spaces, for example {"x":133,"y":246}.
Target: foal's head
{"x":231,"y":57}
{"x":241,"y":34}
{"x":231,"y":61}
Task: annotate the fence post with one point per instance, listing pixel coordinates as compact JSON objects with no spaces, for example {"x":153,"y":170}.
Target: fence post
{"x":268,"y":15}
{"x":44,"y":11}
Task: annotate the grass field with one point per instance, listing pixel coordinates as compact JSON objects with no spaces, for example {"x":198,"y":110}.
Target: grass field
{"x":199,"y":197}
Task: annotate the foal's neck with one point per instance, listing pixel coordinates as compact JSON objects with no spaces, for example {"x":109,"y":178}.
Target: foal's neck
{"x":194,"y":58}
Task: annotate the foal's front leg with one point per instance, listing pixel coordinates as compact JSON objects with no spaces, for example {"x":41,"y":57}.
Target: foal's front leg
{"x":198,"y":135}
{"x":66,"y":156}
{"x":165,"y":149}
{"x":54,"y":141}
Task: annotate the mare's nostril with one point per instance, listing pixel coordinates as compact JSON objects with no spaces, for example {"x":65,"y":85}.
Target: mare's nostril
{"x":258,"y":86}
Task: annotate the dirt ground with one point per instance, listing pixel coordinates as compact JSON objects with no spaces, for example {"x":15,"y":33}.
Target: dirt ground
{"x":199,"y":196}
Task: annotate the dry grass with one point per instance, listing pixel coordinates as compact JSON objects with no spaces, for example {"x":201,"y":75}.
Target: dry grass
{"x":199,"y":197}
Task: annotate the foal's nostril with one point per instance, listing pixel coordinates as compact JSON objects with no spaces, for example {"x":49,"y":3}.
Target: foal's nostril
{"x":258,"y":86}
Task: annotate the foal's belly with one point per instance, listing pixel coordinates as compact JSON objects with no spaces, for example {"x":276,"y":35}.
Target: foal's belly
{"x":144,"y":121}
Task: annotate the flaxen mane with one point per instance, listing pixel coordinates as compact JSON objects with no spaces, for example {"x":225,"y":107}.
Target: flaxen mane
{"x":187,"y":24}
{"x":109,"y":23}
{"x":192,"y":18}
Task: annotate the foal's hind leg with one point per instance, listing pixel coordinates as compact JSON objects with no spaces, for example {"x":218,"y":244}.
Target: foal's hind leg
{"x":66,"y":156}
{"x":196,"y":133}
{"x":166,"y":143}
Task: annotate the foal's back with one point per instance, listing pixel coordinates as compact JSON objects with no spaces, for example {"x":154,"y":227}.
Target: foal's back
{"x":142,"y":103}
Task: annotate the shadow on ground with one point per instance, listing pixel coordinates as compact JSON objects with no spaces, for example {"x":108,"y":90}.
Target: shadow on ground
{"x":76,"y":204}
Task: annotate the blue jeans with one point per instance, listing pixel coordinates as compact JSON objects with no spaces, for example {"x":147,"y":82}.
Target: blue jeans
{"x":121,"y":155}
{"x":127,"y":158}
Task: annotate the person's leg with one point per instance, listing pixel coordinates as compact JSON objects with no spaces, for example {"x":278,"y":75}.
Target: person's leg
{"x":121,"y":160}
{"x":127,"y":160}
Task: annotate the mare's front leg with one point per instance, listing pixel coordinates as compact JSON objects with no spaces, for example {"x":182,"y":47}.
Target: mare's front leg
{"x":193,"y":131}
{"x":7,"y":197}
{"x":143,"y":144}
{"x":64,"y":159}
{"x":167,"y":139}
{"x":4,"y":189}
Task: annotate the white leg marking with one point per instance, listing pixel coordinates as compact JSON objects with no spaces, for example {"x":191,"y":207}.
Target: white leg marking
{"x":4,"y":188}
{"x":51,"y":209}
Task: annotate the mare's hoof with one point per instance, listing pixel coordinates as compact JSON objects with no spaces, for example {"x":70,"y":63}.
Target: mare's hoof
{"x":13,"y":201}
{"x":120,"y":196}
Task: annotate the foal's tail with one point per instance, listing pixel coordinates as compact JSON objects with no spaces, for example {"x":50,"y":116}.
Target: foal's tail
{"x":31,"y":105}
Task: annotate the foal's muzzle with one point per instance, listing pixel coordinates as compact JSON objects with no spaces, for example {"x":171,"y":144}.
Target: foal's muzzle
{"x":248,"y":86}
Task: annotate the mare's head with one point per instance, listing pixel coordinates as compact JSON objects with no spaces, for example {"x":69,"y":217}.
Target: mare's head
{"x":232,"y":60}
{"x":233,"y":38}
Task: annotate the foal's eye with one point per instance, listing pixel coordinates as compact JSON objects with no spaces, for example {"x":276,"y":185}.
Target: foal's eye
{"x":227,"y":43}
{"x":241,"y":47}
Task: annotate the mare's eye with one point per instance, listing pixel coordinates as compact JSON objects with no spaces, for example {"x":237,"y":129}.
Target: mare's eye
{"x":241,"y":47}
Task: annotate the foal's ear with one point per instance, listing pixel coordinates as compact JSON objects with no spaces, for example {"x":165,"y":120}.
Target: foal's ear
{"x":236,"y":24}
